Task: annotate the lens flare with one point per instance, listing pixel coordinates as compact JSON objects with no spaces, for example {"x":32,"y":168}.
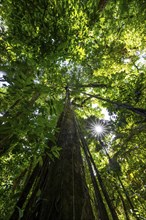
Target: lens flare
{"x":98,"y":129}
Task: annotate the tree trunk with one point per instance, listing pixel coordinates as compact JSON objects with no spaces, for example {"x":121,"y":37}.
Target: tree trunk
{"x":63,"y":194}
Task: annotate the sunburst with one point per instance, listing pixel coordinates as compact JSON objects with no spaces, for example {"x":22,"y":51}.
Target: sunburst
{"x":98,"y":128}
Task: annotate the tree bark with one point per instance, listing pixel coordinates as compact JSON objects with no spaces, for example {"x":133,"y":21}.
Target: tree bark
{"x":64,"y":194}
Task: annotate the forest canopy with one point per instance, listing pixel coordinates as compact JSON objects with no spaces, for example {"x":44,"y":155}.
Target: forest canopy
{"x":94,"y":52}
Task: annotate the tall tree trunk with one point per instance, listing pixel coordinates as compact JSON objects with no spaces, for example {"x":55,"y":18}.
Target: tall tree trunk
{"x":123,"y":203}
{"x":63,"y":191}
{"x":102,"y":208}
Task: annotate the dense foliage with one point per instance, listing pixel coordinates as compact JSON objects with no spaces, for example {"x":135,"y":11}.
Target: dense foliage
{"x":97,"y":50}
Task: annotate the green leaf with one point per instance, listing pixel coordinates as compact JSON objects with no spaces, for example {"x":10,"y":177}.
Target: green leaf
{"x":20,"y":212}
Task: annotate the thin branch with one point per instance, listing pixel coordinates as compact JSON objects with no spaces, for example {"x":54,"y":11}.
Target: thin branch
{"x":139,"y":111}
{"x":94,"y":85}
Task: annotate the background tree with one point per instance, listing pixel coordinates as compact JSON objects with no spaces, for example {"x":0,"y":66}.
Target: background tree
{"x":97,"y":49}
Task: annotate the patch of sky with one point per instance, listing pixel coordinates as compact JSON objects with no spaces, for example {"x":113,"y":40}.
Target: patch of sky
{"x":36,"y":112}
{"x":64,"y":63}
{"x":142,"y":58}
{"x":3,"y":26}
{"x":3,"y":82}
{"x":36,"y":81}
{"x":140,"y":62}
{"x":126,"y":60}
{"x":105,"y":113}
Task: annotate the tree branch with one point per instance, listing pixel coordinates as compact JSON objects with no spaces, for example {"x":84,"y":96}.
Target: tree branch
{"x":94,"y":85}
{"x":139,"y":111}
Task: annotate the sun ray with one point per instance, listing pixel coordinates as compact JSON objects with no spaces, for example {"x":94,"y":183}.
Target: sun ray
{"x":98,"y":128}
